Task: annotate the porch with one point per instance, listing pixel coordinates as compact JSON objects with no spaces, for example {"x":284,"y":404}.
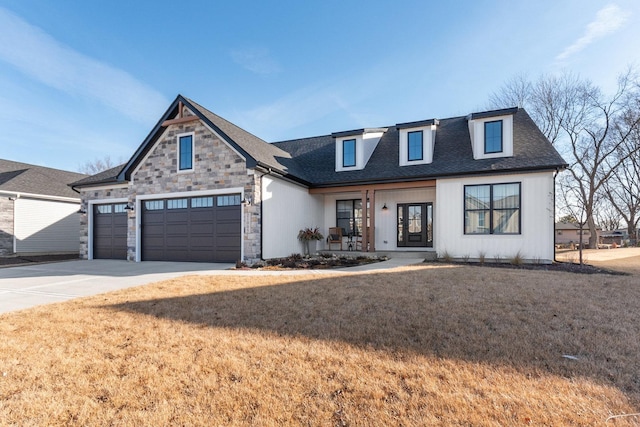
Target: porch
{"x":379,"y":218}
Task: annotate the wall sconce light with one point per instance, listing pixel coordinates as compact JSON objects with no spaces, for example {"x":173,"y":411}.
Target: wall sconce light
{"x":13,"y":199}
{"x":129,"y":207}
{"x":246,"y":201}
{"x":82,"y":210}
{"x":384,"y":207}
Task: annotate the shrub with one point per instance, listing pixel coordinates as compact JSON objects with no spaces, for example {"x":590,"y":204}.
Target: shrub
{"x":517,"y":259}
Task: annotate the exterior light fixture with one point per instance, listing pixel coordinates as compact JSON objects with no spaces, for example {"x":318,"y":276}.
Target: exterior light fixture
{"x":129,"y":207}
{"x":82,"y":210}
{"x":246,"y":201}
{"x":384,"y":207}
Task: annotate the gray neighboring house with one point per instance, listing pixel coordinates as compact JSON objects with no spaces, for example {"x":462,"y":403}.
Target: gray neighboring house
{"x":200,"y":188}
{"x":38,"y":210}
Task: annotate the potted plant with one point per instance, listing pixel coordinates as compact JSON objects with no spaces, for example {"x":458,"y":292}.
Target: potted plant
{"x":308,"y":235}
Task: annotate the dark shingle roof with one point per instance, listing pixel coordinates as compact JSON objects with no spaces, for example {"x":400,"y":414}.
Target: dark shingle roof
{"x":312,"y":160}
{"x":26,"y":178}
{"x":452,"y":155}
{"x":104,"y":177}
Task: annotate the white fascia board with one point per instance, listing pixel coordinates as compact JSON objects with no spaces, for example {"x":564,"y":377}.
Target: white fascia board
{"x":102,"y":187}
{"x":19,"y":194}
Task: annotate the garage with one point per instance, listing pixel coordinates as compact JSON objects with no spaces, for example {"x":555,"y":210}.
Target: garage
{"x":110,"y":231}
{"x":200,"y":229}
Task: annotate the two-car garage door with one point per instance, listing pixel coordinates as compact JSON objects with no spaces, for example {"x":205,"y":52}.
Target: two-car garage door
{"x":204,"y":229}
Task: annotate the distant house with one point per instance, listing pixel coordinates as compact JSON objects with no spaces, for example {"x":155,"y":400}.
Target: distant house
{"x":618,"y":237}
{"x":38,"y":210}
{"x":200,"y":188}
{"x":568,"y":233}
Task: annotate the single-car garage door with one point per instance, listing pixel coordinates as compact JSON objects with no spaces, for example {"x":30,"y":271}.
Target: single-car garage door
{"x":110,"y":231}
{"x":203,"y":229}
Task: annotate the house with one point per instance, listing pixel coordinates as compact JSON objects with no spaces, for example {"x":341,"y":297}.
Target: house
{"x":38,"y":210}
{"x":199,"y":188}
{"x":568,"y":234}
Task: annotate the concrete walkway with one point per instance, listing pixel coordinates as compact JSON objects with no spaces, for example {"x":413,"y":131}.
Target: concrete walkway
{"x":28,"y":286}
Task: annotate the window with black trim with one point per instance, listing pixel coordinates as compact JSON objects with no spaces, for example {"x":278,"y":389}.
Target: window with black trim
{"x":348,"y":153}
{"x":349,"y":216}
{"x":492,"y":209}
{"x":493,"y":137}
{"x":415,"y":147}
{"x":185,"y":152}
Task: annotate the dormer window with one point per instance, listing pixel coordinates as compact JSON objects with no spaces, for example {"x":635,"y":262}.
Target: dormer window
{"x":416,"y":141}
{"x":348,"y":153}
{"x":416,"y":148}
{"x":355,"y":147}
{"x":491,"y":133}
{"x":493,"y":137}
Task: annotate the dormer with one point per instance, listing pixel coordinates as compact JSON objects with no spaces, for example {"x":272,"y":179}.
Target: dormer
{"x":416,"y":142}
{"x":492,"y":133}
{"x":355,"y":147}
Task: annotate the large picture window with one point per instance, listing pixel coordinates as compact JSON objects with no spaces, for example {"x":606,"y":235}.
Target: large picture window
{"x":493,"y":137}
{"x":349,"y":216}
{"x":349,"y":153}
{"x":492,"y":209}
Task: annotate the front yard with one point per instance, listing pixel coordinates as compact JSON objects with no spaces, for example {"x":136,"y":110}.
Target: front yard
{"x":428,"y":345}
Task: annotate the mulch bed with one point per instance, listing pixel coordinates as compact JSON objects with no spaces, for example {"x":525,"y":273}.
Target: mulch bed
{"x":298,"y":262}
{"x":569,"y":267}
{"x":20,"y":260}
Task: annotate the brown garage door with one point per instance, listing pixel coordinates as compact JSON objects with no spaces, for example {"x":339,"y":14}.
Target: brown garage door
{"x":110,"y":231}
{"x":201,"y":229}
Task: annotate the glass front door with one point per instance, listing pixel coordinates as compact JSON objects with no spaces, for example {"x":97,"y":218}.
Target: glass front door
{"x":415,"y":225}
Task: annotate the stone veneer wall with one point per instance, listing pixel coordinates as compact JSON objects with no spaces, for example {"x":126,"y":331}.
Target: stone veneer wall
{"x":216,"y":167}
{"x":6,"y":226}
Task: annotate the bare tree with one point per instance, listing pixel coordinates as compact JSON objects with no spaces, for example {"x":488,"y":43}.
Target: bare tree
{"x":92,"y":167}
{"x":588,"y":129}
{"x":622,"y":190}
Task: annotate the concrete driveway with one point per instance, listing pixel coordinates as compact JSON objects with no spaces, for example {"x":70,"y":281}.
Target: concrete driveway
{"x":28,"y":286}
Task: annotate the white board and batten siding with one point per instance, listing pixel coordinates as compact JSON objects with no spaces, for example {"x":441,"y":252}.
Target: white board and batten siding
{"x":535,"y":241}
{"x":46,"y":226}
{"x":286,"y":209}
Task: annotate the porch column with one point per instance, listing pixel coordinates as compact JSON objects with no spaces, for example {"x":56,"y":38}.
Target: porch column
{"x":365,"y":229}
{"x":372,"y":228}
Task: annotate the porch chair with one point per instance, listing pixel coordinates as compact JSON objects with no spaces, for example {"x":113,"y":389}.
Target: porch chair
{"x":335,"y":237}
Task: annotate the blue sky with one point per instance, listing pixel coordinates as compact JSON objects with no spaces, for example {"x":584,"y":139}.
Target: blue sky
{"x":82,"y":80}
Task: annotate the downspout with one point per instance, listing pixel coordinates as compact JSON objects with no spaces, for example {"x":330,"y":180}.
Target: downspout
{"x":555,"y":174}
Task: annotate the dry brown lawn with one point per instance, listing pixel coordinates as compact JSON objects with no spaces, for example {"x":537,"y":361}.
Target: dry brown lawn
{"x":433,"y":345}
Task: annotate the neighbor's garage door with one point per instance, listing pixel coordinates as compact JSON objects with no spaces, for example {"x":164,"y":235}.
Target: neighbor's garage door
{"x":110,"y":231}
{"x":204,"y":229}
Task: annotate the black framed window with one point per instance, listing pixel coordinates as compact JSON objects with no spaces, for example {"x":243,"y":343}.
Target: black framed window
{"x":185,"y":147}
{"x":349,"y":153}
{"x":492,"y":209}
{"x":493,"y":137}
{"x":349,"y":216}
{"x":415,"y":145}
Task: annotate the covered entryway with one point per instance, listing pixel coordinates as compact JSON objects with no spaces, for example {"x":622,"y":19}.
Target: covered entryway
{"x":201,"y":229}
{"x":110,"y":231}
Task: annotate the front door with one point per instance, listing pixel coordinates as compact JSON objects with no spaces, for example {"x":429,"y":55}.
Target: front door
{"x":415,"y":225}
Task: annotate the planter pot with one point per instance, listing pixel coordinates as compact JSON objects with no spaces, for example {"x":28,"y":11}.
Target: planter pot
{"x":309,"y":247}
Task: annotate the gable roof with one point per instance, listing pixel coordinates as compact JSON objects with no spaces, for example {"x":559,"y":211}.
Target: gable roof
{"x":311,"y":161}
{"x":255,"y":151}
{"x":26,"y":178}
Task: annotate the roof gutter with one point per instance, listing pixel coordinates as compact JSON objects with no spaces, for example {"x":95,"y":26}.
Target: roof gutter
{"x":20,"y":194}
